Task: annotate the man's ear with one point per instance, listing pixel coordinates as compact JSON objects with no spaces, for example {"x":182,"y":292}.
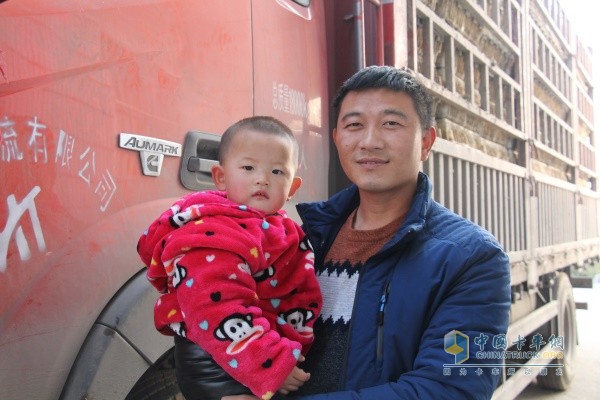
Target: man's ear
{"x":296,"y":183}
{"x":218,"y":176}
{"x":427,"y":141}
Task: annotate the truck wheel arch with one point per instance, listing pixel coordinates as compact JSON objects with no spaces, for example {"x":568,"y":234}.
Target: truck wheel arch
{"x":564,"y":325}
{"x":119,"y":347}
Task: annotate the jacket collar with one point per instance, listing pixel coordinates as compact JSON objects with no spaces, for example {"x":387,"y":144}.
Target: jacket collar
{"x":322,"y":220}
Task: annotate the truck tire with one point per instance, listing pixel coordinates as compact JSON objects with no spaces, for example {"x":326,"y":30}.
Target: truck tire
{"x":564,"y":325}
{"x":158,"y":382}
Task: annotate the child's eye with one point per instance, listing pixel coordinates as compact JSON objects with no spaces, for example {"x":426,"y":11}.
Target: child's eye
{"x":248,"y":167}
{"x":277,"y":172}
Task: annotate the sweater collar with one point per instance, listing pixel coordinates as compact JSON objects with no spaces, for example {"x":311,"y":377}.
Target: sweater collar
{"x":324,"y":218}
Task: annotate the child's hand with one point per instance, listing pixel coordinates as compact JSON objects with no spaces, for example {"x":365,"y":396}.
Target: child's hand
{"x":295,"y":379}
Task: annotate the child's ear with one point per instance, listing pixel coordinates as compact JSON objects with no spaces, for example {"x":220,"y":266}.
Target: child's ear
{"x":218,"y":176}
{"x":296,"y":183}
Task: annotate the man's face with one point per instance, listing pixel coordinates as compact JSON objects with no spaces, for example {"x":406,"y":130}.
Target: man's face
{"x":380,"y":140}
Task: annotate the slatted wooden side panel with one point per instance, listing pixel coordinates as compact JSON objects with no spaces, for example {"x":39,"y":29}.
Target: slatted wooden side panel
{"x":490,"y":197}
{"x":557,"y":222}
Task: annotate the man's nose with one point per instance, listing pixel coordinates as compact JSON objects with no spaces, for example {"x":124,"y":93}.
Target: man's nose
{"x":371,"y":138}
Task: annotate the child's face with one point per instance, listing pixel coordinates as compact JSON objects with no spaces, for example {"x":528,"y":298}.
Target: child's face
{"x":258,"y":171}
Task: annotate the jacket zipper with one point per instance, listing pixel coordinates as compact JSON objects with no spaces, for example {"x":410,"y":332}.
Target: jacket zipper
{"x":380,"y":320}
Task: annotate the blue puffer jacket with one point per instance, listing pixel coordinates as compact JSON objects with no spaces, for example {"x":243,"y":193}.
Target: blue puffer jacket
{"x":441,"y":273}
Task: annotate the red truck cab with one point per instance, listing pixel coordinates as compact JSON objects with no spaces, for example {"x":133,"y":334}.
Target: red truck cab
{"x":109,"y":111}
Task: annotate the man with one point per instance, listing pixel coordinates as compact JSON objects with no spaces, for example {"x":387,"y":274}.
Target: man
{"x":398,"y":271}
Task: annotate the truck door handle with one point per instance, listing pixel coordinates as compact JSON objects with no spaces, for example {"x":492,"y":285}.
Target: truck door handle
{"x":200,"y":153}
{"x":197,"y":164}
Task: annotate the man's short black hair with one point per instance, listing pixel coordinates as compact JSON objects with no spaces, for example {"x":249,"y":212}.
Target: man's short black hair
{"x":396,"y":79}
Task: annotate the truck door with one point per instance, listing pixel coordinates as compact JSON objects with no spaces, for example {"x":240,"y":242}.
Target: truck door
{"x":290,"y":81}
{"x":74,"y":77}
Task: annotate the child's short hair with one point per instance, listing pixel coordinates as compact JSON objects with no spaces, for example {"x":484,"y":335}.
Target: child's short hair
{"x":258,"y":123}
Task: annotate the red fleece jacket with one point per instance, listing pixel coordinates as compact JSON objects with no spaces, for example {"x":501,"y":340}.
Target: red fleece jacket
{"x":237,"y":282}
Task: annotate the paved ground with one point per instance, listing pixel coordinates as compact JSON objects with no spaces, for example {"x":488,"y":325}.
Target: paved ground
{"x":586,"y":383}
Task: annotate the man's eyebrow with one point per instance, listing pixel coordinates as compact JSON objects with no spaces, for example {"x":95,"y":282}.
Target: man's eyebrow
{"x":387,"y":111}
{"x":391,"y":111}
{"x":350,"y":114}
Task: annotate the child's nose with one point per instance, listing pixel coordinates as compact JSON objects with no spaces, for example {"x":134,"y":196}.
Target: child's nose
{"x":261,"y":179}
